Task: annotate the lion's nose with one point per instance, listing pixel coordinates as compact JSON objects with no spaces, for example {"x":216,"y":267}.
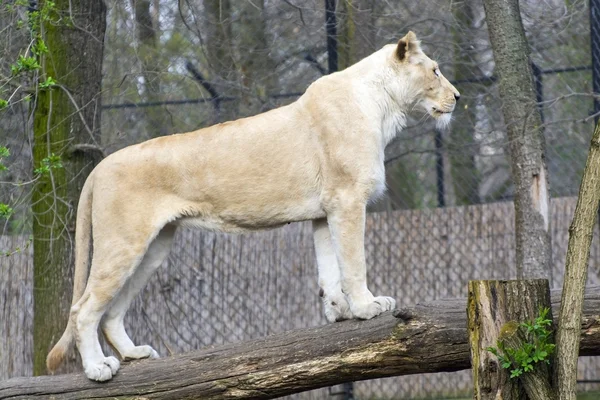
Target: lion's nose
{"x":456,"y":96}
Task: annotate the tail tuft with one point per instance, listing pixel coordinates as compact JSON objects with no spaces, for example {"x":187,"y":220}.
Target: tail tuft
{"x":58,"y":354}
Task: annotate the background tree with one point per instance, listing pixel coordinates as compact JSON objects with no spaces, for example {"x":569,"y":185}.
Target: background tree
{"x":219,"y":59}
{"x":525,"y":135}
{"x":461,"y":142}
{"x":255,"y":65}
{"x":152,"y":65}
{"x":66,"y":130}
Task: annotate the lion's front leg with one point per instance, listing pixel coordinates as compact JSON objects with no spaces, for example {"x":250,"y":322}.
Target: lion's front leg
{"x":335,"y":304}
{"x":347,"y":225}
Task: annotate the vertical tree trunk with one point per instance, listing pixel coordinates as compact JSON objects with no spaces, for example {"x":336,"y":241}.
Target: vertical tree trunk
{"x":491,"y":305}
{"x":461,"y":141}
{"x":147,"y":34}
{"x":74,"y":61}
{"x":355,"y":31}
{"x":526,"y":142}
{"x":255,"y":59}
{"x":578,"y":253}
{"x":219,"y":53}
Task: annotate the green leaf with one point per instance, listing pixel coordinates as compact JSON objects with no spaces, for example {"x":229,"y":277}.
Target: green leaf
{"x":493,"y":350}
{"x":24,"y":64}
{"x":5,"y":211}
{"x":49,"y":82}
{"x":40,"y":47}
{"x":516,"y":373}
{"x":49,"y":163}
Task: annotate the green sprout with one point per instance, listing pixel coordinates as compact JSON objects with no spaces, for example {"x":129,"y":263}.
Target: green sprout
{"x":536,"y":349}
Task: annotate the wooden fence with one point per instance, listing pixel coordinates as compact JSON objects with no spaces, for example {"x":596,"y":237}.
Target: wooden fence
{"x":218,"y":288}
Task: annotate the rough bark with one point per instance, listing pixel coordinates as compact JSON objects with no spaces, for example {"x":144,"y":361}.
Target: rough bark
{"x":536,"y":382}
{"x":526,"y":143}
{"x":58,"y":128}
{"x":491,"y":304}
{"x":578,"y":253}
{"x":426,"y":338}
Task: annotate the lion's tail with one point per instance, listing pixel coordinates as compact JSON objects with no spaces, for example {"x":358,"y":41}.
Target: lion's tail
{"x":83,"y":231}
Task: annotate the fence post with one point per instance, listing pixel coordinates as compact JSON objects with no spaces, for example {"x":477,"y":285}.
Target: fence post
{"x":595,"y":50}
{"x":330,"y":28}
{"x":493,"y":307}
{"x":439,"y":168}
{"x":539,"y":88}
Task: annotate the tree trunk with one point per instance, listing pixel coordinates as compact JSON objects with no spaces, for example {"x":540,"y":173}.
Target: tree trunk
{"x":255,"y":59}
{"x":426,"y":338}
{"x":461,"y":143}
{"x":356,"y":31}
{"x":219,"y":53}
{"x":578,"y":253}
{"x":155,"y":118}
{"x":59,"y":128}
{"x":491,"y":305}
{"x":526,"y":142}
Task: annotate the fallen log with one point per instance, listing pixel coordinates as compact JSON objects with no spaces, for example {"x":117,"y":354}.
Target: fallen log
{"x":429,"y":337}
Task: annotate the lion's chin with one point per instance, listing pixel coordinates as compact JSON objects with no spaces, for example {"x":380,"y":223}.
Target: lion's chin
{"x":442,"y":119}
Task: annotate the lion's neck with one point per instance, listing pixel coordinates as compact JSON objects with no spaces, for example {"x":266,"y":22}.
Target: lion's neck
{"x":382,"y":95}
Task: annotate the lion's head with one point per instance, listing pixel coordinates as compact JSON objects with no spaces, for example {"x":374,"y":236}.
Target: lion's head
{"x":433,"y":93}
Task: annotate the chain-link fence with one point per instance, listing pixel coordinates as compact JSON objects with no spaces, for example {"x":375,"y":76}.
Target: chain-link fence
{"x":175,"y":66}
{"x":216,"y":289}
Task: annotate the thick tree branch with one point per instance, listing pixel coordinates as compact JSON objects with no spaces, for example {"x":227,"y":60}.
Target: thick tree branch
{"x":578,"y":254}
{"x":426,"y":338}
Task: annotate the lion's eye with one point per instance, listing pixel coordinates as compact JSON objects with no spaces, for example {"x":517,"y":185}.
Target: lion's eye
{"x":436,"y":71}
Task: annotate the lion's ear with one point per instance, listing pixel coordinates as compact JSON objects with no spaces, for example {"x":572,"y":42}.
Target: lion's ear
{"x":408,"y":44}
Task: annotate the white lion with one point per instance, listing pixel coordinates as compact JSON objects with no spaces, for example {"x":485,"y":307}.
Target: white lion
{"x":320,"y":158}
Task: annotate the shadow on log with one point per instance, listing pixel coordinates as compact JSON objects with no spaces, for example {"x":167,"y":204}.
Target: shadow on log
{"x":426,"y":338}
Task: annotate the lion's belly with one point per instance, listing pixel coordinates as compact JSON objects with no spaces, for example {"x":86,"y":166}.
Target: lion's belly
{"x":249,"y":217}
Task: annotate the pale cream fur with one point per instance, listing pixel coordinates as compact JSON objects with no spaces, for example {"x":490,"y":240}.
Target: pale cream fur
{"x":319,"y":158}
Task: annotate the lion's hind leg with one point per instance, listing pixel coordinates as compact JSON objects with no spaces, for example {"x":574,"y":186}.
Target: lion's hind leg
{"x":112,"y":323}
{"x":116,"y":257}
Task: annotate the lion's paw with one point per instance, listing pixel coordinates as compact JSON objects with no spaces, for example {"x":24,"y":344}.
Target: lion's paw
{"x":336,"y":307}
{"x":139,"y":352}
{"x":370,"y":309}
{"x":102,"y":371}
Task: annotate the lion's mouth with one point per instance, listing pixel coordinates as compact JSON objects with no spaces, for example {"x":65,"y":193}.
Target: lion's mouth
{"x":438,"y":113}
{"x":442,"y":117}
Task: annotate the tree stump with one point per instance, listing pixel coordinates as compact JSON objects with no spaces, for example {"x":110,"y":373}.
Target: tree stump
{"x":491,"y":305}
